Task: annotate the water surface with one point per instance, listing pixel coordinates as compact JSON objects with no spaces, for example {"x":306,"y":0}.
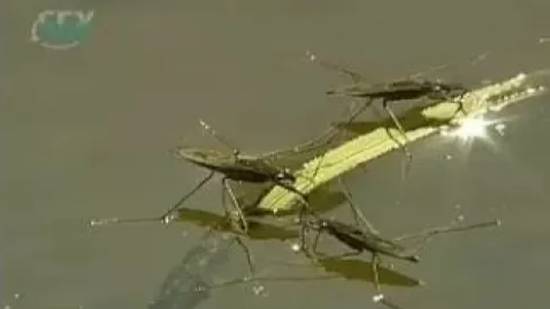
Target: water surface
{"x":86,"y":133}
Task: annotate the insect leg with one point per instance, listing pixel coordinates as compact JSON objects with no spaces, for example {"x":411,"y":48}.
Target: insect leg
{"x":305,"y":209}
{"x":249,"y":259}
{"x":312,"y":252}
{"x":303,"y":197}
{"x":349,"y":121}
{"x":459,"y":102}
{"x":326,"y":138}
{"x":376,"y":275}
{"x":457,"y":99}
{"x":224,"y":203}
{"x":303,"y":230}
{"x":165,"y":218}
{"x":347,"y":254}
{"x":312,"y":145}
{"x":236,"y":205}
{"x":399,"y":128}
{"x":380,"y":297}
{"x":366,"y":104}
{"x":405,"y":170}
{"x":357,"y":213}
{"x":351,"y":253}
{"x":426,"y":235}
{"x":316,"y":243}
{"x":185,"y":197}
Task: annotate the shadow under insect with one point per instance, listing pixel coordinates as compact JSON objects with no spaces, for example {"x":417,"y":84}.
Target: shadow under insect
{"x":257,"y":230}
{"x":410,"y":120}
{"x":321,"y":200}
{"x":361,"y":270}
{"x":352,"y":269}
{"x":363,"y":237}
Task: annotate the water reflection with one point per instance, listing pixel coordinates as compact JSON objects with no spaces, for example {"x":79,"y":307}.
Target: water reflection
{"x":187,"y":284}
{"x":321,"y":200}
{"x":257,"y":229}
{"x":191,"y":281}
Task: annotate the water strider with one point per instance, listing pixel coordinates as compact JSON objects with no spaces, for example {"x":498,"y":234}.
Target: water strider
{"x":362,"y":238}
{"x":410,"y":88}
{"x":234,"y":166}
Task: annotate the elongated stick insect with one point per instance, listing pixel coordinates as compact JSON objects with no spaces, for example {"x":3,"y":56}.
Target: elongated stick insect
{"x":367,"y":239}
{"x":410,"y":88}
{"x":235,"y":167}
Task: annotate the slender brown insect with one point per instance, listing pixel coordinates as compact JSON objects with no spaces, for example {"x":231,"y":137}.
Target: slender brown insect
{"x":233,"y":166}
{"x":366,"y":238}
{"x":410,"y":88}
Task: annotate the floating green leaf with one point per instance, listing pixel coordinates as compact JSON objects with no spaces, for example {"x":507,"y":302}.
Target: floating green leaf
{"x":419,"y":123}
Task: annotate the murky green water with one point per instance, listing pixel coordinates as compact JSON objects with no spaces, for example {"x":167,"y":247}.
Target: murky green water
{"x":86,"y":133}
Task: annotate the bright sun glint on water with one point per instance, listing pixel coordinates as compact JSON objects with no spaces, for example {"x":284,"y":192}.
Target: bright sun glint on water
{"x":471,"y":128}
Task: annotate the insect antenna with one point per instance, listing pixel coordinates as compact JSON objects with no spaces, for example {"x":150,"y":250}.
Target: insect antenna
{"x":475,"y":60}
{"x":312,"y":145}
{"x":222,"y":140}
{"x":355,"y":76}
{"x":308,"y":146}
{"x":430,"y":70}
{"x":349,"y":121}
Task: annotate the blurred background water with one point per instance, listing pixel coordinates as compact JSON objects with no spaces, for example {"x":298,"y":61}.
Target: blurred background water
{"x":86,"y":133}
